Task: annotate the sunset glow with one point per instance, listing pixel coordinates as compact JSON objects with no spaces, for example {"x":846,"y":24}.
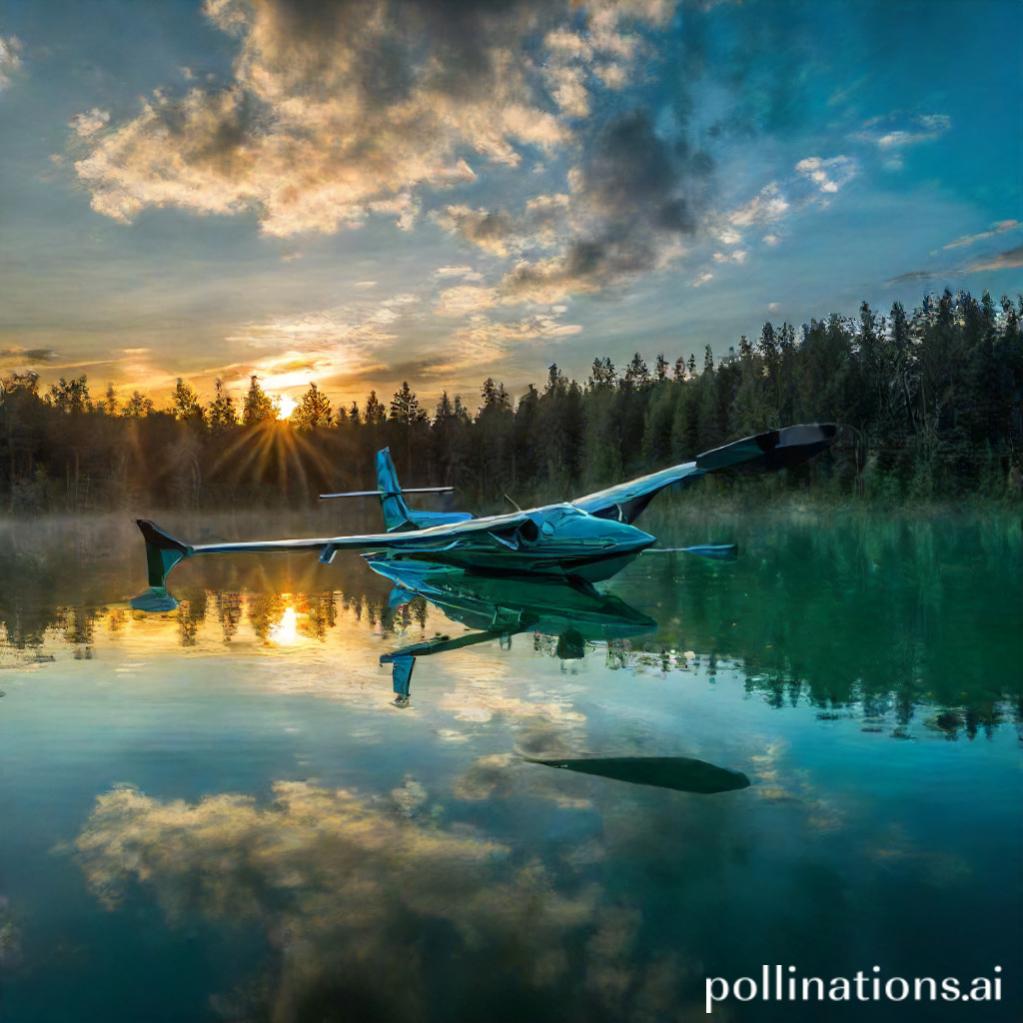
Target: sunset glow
{"x":514,"y":185}
{"x":285,"y":406}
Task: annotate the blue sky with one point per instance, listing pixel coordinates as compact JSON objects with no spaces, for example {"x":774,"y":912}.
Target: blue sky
{"x":358,"y":191}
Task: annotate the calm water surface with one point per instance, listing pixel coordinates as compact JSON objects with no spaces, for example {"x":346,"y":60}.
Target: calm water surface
{"x":218,"y":813}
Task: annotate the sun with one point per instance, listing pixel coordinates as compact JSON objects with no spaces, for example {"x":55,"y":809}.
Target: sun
{"x":285,"y":406}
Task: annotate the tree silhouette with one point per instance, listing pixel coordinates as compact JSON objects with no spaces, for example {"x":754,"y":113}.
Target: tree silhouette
{"x":259,"y":407}
{"x":931,"y":402}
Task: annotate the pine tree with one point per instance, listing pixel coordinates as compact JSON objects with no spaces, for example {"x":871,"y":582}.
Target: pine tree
{"x":222,"y":413}
{"x":314,"y":410}
{"x":374,"y":414}
{"x":70,"y":396}
{"x":185,"y":403}
{"x":138,"y":406}
{"x":108,"y":406}
{"x":405,"y":408}
{"x":259,"y":407}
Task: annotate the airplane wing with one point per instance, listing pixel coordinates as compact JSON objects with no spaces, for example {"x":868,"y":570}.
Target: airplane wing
{"x":763,"y":452}
{"x":164,"y":551}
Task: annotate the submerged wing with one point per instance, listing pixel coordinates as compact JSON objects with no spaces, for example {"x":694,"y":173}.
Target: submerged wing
{"x":764,"y":452}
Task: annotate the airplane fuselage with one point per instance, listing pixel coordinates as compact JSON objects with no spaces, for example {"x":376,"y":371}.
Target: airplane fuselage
{"x":557,"y":540}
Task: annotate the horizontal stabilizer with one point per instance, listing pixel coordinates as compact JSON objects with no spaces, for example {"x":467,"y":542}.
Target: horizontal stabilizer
{"x":389,"y":493}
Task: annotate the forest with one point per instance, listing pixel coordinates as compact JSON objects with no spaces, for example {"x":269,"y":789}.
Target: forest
{"x":930,"y":403}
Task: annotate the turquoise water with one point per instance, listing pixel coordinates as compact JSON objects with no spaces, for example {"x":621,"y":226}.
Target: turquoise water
{"x":219,"y":813}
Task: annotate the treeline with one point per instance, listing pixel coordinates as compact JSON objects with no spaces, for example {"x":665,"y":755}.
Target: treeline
{"x":931,"y":403}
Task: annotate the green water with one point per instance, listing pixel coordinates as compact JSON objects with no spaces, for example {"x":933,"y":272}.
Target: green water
{"x":219,"y":814}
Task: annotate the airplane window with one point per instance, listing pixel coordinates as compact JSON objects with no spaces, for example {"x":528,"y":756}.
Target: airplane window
{"x":547,"y":529}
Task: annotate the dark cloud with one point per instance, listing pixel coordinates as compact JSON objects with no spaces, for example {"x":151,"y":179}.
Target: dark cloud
{"x":913,"y":275}
{"x":637,"y":193}
{"x":1010,"y":259}
{"x":27,"y":355}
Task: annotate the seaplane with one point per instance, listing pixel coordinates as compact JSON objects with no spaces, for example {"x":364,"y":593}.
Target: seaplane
{"x":579,"y":542}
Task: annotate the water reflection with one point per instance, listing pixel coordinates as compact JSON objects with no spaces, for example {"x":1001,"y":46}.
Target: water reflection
{"x":215,"y":814}
{"x":499,"y":607}
{"x":864,"y":617}
{"x":683,"y":774}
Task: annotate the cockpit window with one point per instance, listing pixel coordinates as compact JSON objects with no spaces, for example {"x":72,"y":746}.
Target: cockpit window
{"x":562,"y":512}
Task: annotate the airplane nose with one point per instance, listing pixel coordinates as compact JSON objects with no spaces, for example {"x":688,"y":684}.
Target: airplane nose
{"x":634,"y":539}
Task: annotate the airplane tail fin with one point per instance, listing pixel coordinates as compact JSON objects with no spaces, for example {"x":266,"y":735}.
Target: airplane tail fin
{"x":398,"y":517}
{"x":163,"y":552}
{"x":392,"y":504}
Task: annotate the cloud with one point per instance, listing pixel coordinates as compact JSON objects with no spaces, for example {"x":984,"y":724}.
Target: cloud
{"x":89,"y":122}
{"x":1010,"y":259}
{"x":465,"y":298}
{"x":342,"y":109}
{"x":26,"y":356}
{"x":997,"y":228}
{"x":829,"y":175}
{"x":326,"y":344}
{"x":342,"y":886}
{"x":767,"y":206}
{"x":894,"y":131}
{"x":489,"y":229}
{"x":702,"y":278}
{"x":634,"y":196}
{"x":736,"y":256}
{"x":500,"y":233}
{"x":10,"y":59}
{"x":481,"y":329}
{"x":466,"y":273}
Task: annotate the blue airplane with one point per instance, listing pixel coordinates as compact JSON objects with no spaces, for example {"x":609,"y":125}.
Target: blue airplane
{"x":586,"y":540}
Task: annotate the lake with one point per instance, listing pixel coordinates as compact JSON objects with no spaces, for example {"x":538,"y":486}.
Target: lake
{"x":220,"y":813}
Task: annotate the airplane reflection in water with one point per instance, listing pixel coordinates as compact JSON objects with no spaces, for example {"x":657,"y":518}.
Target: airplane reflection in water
{"x":499,"y":607}
{"x":683,"y":774}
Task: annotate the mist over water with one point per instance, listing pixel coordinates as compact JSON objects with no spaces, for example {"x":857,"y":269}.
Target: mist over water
{"x":218,"y":813}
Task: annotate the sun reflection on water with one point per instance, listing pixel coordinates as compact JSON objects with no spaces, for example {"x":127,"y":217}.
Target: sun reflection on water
{"x":285,"y":631}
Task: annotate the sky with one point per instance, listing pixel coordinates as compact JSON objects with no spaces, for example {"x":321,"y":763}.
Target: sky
{"x":357,"y":192}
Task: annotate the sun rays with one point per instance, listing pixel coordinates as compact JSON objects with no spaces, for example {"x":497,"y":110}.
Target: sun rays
{"x":274,"y":452}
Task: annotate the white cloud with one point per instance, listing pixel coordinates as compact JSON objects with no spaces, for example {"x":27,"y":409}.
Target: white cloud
{"x":10,"y":59}
{"x":333,"y":116}
{"x":705,"y":277}
{"x":738,"y":256}
{"x":89,"y":122}
{"x":829,"y":175}
{"x":999,"y":227}
{"x":768,"y":205}
{"x":530,"y":328}
{"x":771,"y":240}
{"x":466,"y":273}
{"x":465,"y":298}
{"x":894,"y":131}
